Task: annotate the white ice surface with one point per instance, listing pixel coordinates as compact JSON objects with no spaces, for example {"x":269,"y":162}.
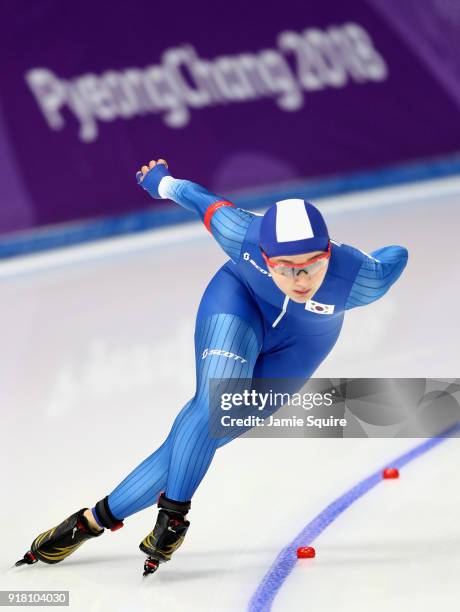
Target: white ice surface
{"x":96,"y":360}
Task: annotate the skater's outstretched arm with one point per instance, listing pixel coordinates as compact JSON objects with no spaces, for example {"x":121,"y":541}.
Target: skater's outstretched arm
{"x":378,"y":272}
{"x":226,"y":223}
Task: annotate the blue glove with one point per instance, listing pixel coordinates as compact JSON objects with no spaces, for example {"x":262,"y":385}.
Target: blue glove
{"x":151,"y":180}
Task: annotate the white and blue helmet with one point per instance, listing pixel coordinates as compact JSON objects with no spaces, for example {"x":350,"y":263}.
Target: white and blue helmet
{"x":292,"y":227}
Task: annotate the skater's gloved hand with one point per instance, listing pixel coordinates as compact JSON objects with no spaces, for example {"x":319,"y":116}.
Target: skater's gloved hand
{"x":149,"y":177}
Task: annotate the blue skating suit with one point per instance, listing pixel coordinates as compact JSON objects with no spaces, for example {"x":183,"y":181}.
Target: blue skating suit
{"x":246,"y":327}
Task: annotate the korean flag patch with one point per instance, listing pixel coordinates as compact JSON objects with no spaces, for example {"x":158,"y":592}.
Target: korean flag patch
{"x":316,"y":307}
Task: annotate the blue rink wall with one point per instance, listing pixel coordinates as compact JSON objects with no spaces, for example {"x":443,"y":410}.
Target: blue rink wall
{"x":59,"y":236}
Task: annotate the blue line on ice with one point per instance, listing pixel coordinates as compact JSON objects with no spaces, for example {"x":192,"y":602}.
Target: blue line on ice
{"x":285,"y":562}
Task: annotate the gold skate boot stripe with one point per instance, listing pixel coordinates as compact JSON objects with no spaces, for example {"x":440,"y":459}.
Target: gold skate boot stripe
{"x":60,"y":554}
{"x":42,"y":556}
{"x":169,"y":550}
{"x":59,"y":550}
{"x":43,"y":535}
{"x":149,"y":540}
{"x":45,"y":558}
{"x":38,"y":540}
{"x":173,"y":547}
{"x":56,"y":555}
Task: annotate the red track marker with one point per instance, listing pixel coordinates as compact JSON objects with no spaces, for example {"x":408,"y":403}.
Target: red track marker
{"x":306,"y":552}
{"x":390,"y":473}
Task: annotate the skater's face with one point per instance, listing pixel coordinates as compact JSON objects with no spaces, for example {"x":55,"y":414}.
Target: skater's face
{"x":302,"y":287}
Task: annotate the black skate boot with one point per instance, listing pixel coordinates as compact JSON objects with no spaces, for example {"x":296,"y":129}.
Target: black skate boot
{"x":61,"y":541}
{"x":167,"y":535}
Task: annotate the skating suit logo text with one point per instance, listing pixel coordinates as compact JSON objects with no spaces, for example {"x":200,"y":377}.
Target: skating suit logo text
{"x":221,"y":353}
